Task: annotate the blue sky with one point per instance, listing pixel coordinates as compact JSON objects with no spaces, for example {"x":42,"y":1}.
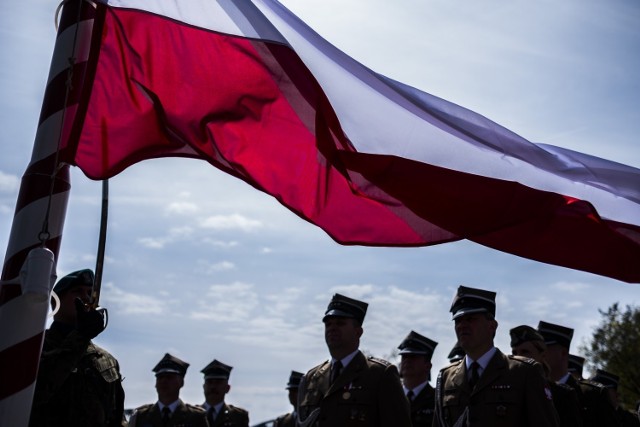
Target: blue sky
{"x":203,"y":266}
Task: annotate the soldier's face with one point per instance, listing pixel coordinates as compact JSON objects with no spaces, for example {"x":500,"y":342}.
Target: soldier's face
{"x":342,"y":335}
{"x":557,"y":357}
{"x":528,"y":349}
{"x":168,"y":385}
{"x":414,"y":365}
{"x":215,"y":389}
{"x":293,"y":396}
{"x":475,"y":331}
{"x":67,"y":312}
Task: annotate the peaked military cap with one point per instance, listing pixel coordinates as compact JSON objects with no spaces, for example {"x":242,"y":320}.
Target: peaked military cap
{"x":342,"y":306}
{"x":576,"y":363}
{"x":523,"y":333}
{"x":555,"y":334}
{"x":607,"y":379}
{"x":294,"y":379}
{"x":217,"y":370}
{"x":171,"y":365}
{"x":77,"y":278}
{"x":471,"y":300}
{"x":456,"y":353}
{"x":415,"y":343}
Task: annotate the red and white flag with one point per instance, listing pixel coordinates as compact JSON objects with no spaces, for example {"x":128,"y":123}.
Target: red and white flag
{"x":250,"y":88}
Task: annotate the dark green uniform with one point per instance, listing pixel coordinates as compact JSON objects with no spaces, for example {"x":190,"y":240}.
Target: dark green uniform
{"x":287,"y":420}
{"x":423,"y":407}
{"x":596,"y":406}
{"x":511,"y":392}
{"x":185,"y":415}
{"x":231,"y":416}
{"x":367,"y":393}
{"x":565,"y":400}
{"x":79,"y":384}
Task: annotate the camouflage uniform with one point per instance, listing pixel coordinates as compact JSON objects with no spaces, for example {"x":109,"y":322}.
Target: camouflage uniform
{"x":79,"y":384}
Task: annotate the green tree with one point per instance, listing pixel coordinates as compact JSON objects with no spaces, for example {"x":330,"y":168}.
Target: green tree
{"x":615,"y":348}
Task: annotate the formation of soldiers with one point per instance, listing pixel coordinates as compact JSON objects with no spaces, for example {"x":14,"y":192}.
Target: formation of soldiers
{"x":538,"y":384}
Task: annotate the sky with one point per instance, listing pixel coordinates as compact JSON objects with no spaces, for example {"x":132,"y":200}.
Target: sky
{"x":203,"y":266}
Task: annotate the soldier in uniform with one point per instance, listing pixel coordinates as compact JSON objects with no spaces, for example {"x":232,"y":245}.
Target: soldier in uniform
{"x":487,"y":387}
{"x":415,"y":370}
{"x":351,"y":389}
{"x":623,"y":417}
{"x":169,"y":410}
{"x":289,"y":420}
{"x":596,"y":407}
{"x":79,"y":383}
{"x":216,"y":386}
{"x":527,"y":342}
{"x":576,"y":365}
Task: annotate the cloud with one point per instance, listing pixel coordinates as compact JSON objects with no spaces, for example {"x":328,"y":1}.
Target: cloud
{"x":227,"y":303}
{"x":175,"y":234}
{"x":131,"y":303}
{"x":230,"y":222}
{"x":181,"y":208}
{"x":8,"y":183}
{"x":210,"y":268}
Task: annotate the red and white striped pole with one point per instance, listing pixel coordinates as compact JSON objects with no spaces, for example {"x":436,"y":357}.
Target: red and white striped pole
{"x":36,"y":231}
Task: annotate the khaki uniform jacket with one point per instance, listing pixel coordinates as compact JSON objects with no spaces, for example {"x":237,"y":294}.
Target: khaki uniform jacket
{"x":511,"y":391}
{"x":231,"y":416}
{"x":597,"y":408}
{"x":565,"y":400}
{"x":185,"y":415}
{"x":423,"y":407}
{"x":367,"y":393}
{"x":287,"y":420}
{"x":79,"y":384}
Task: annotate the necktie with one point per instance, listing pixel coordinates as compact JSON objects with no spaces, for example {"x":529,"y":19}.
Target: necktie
{"x":410,"y":395}
{"x":335,"y":370}
{"x":473,"y":378}
{"x":166,"y":414}
{"x":211,"y":415}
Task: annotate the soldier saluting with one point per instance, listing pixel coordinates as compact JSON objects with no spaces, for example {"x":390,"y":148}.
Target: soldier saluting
{"x":488,"y":388}
{"x":351,"y":389}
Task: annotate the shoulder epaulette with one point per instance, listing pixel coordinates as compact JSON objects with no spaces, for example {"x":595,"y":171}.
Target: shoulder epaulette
{"x":379,"y":361}
{"x":197,"y":408}
{"x":453,"y":365}
{"x":591,"y":383}
{"x":527,"y":360}
{"x":145,"y":407}
{"x":237,"y":409}
{"x":564,"y":386}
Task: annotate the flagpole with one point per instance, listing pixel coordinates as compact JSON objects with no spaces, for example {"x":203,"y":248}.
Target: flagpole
{"x":29,"y":267}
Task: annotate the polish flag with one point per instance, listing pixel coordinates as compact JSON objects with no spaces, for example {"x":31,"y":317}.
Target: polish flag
{"x":250,"y":88}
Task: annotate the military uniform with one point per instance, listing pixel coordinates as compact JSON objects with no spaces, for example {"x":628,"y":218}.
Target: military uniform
{"x":289,"y":420}
{"x":79,"y":384}
{"x":367,"y":393}
{"x":228,"y":415}
{"x":565,"y":400}
{"x":596,"y":406}
{"x":286,"y":420}
{"x":184,"y":415}
{"x":510,"y":392}
{"x":423,"y":407}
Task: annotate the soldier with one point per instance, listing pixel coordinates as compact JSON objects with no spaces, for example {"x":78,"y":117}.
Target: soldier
{"x":351,"y":389}
{"x":169,"y":410}
{"x":289,"y":420}
{"x":623,"y":417}
{"x":456,"y":354}
{"x":415,"y":370}
{"x":488,"y":388}
{"x":595,"y":404}
{"x":216,"y":386}
{"x":79,"y":383}
{"x":527,"y":342}
{"x":576,"y":365}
